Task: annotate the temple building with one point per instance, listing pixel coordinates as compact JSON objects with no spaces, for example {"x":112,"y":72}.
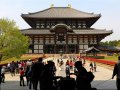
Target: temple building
{"x":62,"y":29}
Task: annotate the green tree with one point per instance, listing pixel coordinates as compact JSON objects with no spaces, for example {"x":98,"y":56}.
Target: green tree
{"x":111,"y":43}
{"x":118,"y":44}
{"x":12,"y":42}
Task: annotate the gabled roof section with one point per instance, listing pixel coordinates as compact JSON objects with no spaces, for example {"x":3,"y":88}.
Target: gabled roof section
{"x":91,"y":49}
{"x":61,"y":25}
{"x":60,"y":12}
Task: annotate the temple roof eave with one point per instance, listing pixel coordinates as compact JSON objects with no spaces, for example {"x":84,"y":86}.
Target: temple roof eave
{"x":29,"y":17}
{"x":76,"y":32}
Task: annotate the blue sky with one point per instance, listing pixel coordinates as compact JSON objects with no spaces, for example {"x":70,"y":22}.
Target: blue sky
{"x":109,"y":9}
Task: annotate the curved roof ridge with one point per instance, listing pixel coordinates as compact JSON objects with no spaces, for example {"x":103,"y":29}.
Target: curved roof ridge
{"x":57,"y":12}
{"x":86,"y":12}
{"x":40,"y":11}
{"x":46,"y":10}
{"x":63,"y":7}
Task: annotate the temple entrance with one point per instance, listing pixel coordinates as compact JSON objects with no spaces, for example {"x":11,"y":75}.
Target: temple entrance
{"x":49,"y":49}
{"x":72,"y":49}
{"x":61,"y":48}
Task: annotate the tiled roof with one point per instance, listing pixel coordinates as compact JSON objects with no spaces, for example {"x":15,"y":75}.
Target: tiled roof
{"x":112,"y":48}
{"x":90,"y":49}
{"x":35,"y":31}
{"x":93,"y":31}
{"x":60,"y":12}
{"x":81,"y":31}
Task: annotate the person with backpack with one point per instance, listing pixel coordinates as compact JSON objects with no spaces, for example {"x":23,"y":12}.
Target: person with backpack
{"x":116,"y":72}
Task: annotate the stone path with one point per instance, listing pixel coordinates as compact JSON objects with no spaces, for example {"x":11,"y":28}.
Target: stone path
{"x":101,"y":81}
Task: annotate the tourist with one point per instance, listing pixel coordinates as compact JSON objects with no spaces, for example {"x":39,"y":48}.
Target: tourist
{"x":8,"y":67}
{"x":47,"y":77}
{"x":26,"y":74}
{"x":58,"y":62}
{"x":12,"y":68}
{"x":37,"y":68}
{"x":0,"y":76}
{"x":116,"y":72}
{"x":91,"y":67}
{"x":71,"y":65}
{"x":94,"y":66}
{"x":67,"y":62}
{"x":16,"y":67}
{"x":82,"y":79}
{"x":67,"y":70}
{"x":84,"y":62}
{"x":3,"y":74}
{"x":29,"y":77}
{"x":22,"y":73}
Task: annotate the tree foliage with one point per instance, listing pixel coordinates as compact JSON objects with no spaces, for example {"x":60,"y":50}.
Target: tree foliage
{"x":12,"y":42}
{"x":115,"y":43}
{"x":118,"y":44}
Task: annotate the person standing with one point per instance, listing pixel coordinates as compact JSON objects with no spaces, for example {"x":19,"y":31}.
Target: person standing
{"x":22,"y":73}
{"x":37,"y":69}
{"x":82,"y":80}
{"x":3,"y":74}
{"x":94,"y":66}
{"x":0,"y":76}
{"x":12,"y":68}
{"x":67,"y":70}
{"x":116,"y":72}
{"x":91,"y":67}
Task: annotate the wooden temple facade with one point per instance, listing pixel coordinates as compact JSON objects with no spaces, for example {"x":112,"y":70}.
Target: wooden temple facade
{"x":62,"y":29}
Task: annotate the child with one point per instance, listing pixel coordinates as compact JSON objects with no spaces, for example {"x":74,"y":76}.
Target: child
{"x":22,"y":73}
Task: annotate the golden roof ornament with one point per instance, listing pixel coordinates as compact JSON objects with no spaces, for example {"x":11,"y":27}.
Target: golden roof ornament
{"x":52,"y":5}
{"x":69,"y":5}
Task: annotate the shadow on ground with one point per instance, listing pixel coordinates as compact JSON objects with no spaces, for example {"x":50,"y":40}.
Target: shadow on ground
{"x":104,"y":84}
{"x":99,"y":84}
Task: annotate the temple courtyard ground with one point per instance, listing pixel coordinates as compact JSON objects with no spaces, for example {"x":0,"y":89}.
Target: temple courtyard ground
{"x":102,"y":80}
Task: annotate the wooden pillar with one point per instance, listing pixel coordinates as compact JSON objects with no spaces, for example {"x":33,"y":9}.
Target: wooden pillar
{"x":55,"y":46}
{"x":88,"y":41}
{"x":33,"y":43}
{"x":77,"y":47}
{"x":66,"y":44}
{"x":44,"y":44}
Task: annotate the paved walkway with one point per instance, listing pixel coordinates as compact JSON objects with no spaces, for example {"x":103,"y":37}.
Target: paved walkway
{"x":101,"y":81}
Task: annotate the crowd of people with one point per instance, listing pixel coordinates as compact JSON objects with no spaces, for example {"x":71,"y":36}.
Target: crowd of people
{"x":42,"y":76}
